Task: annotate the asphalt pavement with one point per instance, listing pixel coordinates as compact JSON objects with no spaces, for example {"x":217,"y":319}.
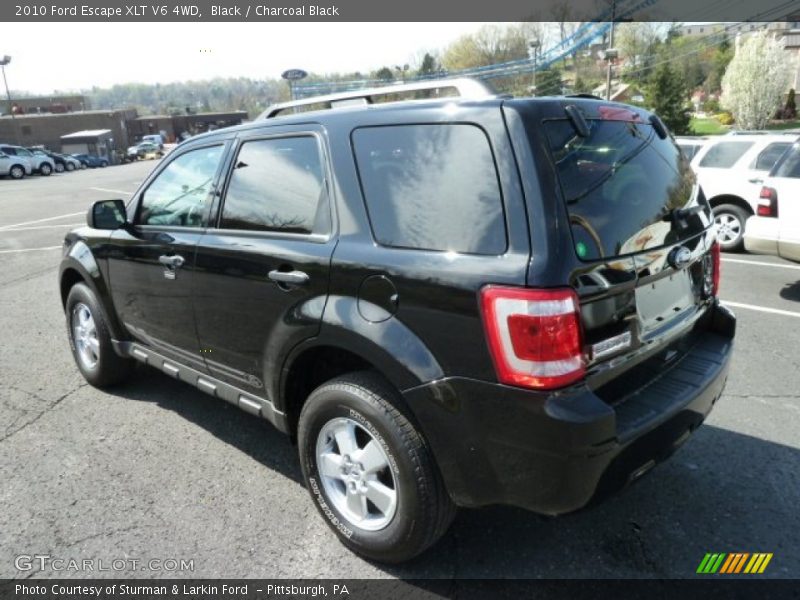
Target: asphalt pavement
{"x":156,"y":470}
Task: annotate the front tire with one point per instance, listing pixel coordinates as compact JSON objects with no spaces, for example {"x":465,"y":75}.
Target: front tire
{"x":59,"y":168}
{"x":369,"y":471}
{"x":730,"y":220}
{"x":16,"y":172}
{"x":45,"y":170}
{"x":90,"y":340}
{"x":70,"y":167}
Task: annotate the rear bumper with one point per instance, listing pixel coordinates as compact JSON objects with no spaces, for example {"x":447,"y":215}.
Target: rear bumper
{"x":554,"y":454}
{"x":761,"y":235}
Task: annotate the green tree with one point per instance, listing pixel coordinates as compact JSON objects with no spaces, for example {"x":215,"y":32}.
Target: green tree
{"x":428,"y":66}
{"x":666,"y":95}
{"x":384,"y":74}
{"x":548,"y":82}
{"x":790,"y":109}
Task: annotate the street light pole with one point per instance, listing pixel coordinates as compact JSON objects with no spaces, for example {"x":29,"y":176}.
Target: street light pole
{"x":609,"y":49}
{"x":533,"y":54}
{"x":3,"y":62}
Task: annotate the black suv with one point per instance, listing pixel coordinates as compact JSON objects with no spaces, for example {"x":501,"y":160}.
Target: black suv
{"x":446,"y":302}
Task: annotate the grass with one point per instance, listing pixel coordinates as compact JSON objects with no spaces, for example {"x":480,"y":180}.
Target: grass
{"x":707,"y":126}
{"x":783,"y":125}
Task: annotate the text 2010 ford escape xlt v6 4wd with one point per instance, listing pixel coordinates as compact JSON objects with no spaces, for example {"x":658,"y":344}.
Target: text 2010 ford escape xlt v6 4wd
{"x":446,"y":302}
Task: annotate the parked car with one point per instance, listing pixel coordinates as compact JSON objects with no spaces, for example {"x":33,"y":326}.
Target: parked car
{"x":144,"y":150}
{"x":156,"y":139}
{"x":690,"y":146}
{"x":450,"y":302}
{"x":39,"y":163}
{"x":14,"y":166}
{"x":91,"y":161}
{"x":730,"y":170}
{"x":70,"y":162}
{"x":61,"y":164}
{"x":775,"y":228}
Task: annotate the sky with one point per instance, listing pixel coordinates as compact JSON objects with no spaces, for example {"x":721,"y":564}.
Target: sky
{"x":70,"y":57}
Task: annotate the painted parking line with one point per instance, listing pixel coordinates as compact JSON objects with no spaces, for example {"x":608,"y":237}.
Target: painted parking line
{"x":760,"y":263}
{"x":30,"y":249}
{"x":14,"y":229}
{"x":764,"y":309}
{"x":111,"y":191}
{"x":13,"y":225}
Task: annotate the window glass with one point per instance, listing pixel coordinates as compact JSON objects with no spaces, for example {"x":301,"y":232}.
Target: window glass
{"x":180,"y":195}
{"x":789,"y":164}
{"x":770,"y":155}
{"x":431,"y":187}
{"x":277,"y":185}
{"x":725,"y":154}
{"x":620,"y":184}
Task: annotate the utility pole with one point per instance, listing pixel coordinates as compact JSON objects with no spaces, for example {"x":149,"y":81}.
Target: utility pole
{"x":3,"y":62}
{"x":609,"y":49}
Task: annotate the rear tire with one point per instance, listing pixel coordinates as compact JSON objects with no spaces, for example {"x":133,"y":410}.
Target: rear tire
{"x":369,"y":471}
{"x":45,"y":170}
{"x":730,"y":221}
{"x":59,"y":168}
{"x":16,"y":172}
{"x":70,"y":167}
{"x":103,"y":164}
{"x":90,"y":340}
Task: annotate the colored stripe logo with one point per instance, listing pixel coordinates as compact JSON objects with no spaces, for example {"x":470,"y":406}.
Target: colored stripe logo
{"x":734,"y":563}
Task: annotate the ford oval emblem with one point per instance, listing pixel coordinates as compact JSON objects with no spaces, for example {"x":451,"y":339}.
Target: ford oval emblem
{"x":679,"y":257}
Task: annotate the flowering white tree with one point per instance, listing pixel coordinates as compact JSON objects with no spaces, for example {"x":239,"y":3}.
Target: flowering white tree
{"x":755,"y":81}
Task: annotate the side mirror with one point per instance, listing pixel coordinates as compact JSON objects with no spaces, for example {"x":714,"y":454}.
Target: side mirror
{"x":107,"y":214}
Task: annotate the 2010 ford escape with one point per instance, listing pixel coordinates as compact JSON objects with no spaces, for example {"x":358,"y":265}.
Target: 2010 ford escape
{"x":446,"y":302}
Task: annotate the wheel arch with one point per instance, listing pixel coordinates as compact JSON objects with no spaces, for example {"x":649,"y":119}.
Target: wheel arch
{"x":80,"y":266}
{"x":731,"y":199}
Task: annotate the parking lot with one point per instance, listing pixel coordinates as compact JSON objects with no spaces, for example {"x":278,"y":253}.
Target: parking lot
{"x":157,"y":470}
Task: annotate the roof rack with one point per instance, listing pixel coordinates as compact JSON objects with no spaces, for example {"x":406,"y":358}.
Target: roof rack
{"x":466,"y":88}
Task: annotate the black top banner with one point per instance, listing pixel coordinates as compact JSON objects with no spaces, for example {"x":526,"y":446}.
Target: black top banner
{"x":151,"y":11}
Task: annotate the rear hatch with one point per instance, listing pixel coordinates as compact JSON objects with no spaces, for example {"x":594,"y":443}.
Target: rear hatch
{"x":634,"y":229}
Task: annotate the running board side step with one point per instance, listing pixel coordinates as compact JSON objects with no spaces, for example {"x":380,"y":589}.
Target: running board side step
{"x":205,"y":383}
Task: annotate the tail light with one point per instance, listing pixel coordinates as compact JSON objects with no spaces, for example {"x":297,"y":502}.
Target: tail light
{"x":768,"y":202}
{"x":711,"y":275}
{"x":534,"y":335}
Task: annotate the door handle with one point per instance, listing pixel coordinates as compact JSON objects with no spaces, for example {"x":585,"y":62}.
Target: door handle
{"x":755,"y":180}
{"x":288,"y":277}
{"x":171,"y":262}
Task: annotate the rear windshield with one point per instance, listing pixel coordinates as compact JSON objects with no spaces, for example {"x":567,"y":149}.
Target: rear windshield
{"x":622,"y":185}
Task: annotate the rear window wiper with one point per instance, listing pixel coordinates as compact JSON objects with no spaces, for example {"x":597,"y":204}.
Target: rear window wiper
{"x":680,"y":216}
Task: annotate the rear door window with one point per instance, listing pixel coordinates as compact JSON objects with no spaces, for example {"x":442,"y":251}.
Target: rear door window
{"x":724,"y":155}
{"x":431,"y":187}
{"x":622,"y":185}
{"x":277,"y":184}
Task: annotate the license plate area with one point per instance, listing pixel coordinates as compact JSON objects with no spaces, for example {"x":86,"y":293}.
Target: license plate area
{"x":662,"y":301}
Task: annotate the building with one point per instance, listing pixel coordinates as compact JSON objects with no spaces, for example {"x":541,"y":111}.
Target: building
{"x":621,"y":92}
{"x":45,"y":104}
{"x":126,"y":126}
{"x":173,"y":126}
{"x":47,"y":129}
{"x":97,"y":142}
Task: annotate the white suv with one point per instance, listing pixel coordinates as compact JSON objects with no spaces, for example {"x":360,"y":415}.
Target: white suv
{"x":15,"y":167}
{"x":776,"y":227}
{"x":730,"y":169}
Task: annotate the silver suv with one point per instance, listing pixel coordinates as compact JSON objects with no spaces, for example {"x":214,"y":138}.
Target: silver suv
{"x":39,"y":163}
{"x":15,"y":167}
